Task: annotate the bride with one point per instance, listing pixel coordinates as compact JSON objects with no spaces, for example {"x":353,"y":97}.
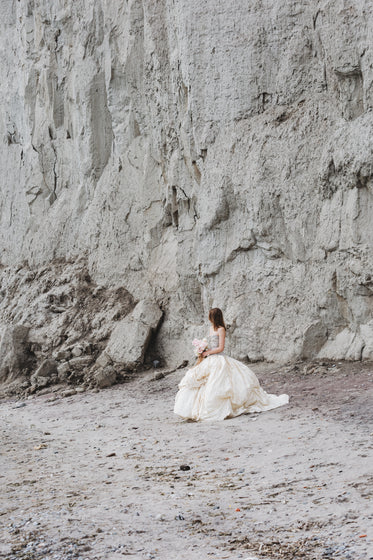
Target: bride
{"x":220,"y":387}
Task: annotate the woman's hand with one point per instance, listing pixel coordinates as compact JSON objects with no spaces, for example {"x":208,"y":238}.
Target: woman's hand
{"x":205,"y":354}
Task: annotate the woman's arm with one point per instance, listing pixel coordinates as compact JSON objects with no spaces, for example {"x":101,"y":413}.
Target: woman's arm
{"x":220,"y":348}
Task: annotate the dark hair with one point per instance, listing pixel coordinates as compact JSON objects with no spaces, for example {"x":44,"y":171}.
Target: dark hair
{"x":216,"y":318}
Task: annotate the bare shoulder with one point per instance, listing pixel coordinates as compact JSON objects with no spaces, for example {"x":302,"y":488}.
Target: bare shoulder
{"x":221,"y":330}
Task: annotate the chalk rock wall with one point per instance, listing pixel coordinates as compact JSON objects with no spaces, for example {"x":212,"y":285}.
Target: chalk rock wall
{"x":198,"y":153}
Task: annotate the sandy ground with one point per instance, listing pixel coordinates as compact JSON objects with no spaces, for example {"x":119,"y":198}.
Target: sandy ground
{"x":98,"y":475}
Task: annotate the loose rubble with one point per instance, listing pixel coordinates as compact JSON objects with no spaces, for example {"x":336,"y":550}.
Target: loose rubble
{"x":97,"y":337}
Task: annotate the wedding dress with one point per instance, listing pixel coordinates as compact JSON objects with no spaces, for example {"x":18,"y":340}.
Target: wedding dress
{"x":221,"y":387}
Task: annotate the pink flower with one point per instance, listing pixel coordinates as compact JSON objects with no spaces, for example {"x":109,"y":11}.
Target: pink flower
{"x":200,"y":345}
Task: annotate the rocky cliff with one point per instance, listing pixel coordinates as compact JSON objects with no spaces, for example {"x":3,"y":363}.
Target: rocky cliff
{"x":191,"y":154}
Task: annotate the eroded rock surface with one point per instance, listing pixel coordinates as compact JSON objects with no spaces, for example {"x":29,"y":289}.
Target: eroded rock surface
{"x":197,"y":153}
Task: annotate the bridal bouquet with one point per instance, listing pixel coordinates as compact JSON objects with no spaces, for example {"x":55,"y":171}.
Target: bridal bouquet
{"x":199,"y":347}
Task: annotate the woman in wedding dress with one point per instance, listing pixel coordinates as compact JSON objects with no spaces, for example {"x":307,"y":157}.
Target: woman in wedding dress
{"x":221,"y":387}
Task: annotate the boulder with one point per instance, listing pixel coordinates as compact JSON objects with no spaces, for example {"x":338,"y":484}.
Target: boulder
{"x":314,"y":338}
{"x":46,"y":369}
{"x":62,"y":355}
{"x":336,"y":349}
{"x":39,"y":382}
{"x":367,"y":335}
{"x":356,"y":348}
{"x":104,"y":360}
{"x":130,"y":338}
{"x":80,"y":362}
{"x":14,"y":352}
{"x":68,"y":393}
{"x":77,"y":351}
{"x":63,"y":370}
{"x":105,"y":377}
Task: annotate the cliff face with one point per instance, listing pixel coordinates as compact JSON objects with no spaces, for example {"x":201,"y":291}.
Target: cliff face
{"x":197,"y":153}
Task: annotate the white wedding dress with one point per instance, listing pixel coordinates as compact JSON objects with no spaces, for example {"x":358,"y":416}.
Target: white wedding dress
{"x":222,"y":387}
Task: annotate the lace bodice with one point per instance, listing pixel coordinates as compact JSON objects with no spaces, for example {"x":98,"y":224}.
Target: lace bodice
{"x":213,"y":340}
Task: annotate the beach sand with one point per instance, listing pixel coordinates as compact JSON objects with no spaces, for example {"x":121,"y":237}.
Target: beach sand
{"x":116,"y":474}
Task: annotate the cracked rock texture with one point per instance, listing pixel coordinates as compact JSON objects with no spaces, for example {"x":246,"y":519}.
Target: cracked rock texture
{"x":195,"y":154}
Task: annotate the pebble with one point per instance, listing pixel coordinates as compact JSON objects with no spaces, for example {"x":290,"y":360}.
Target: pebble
{"x":68,"y":393}
{"x":77,"y":351}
